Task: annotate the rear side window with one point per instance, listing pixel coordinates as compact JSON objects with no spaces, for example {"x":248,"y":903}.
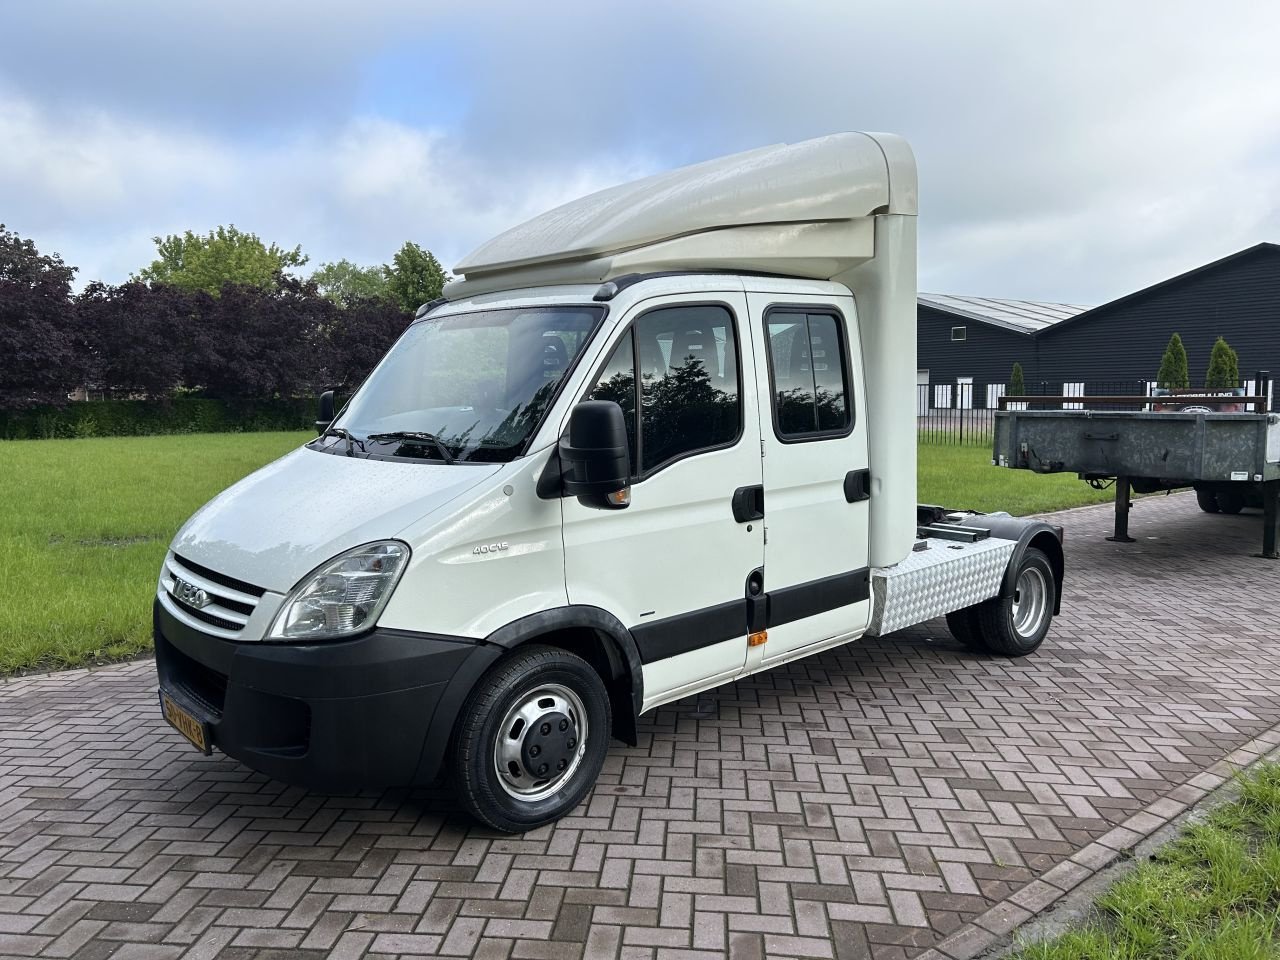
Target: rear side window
{"x":808,"y":373}
{"x":686,"y":365}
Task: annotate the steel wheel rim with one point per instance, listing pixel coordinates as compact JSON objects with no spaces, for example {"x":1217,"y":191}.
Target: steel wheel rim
{"x":1030,"y":602}
{"x":530,"y":710}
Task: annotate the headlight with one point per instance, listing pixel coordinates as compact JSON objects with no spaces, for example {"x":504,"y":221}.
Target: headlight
{"x":344,"y":596}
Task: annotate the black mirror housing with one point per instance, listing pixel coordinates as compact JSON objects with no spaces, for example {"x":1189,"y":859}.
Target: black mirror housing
{"x":594,"y":457}
{"x":326,"y":412}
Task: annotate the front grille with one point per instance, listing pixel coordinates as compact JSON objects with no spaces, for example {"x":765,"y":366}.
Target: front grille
{"x":208,"y":617}
{"x":228,"y":603}
{"x":220,"y":578}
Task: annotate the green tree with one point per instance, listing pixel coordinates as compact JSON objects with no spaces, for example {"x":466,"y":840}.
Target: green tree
{"x":225,"y":255}
{"x":1224,"y":368}
{"x":345,"y":283}
{"x":414,"y":276}
{"x":1017,"y":385}
{"x":1173,"y":373}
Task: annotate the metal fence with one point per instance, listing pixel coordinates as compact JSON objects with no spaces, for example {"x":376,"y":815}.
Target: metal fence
{"x":950,"y":416}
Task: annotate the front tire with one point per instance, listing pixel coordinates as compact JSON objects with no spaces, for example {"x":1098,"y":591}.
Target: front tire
{"x":1015,"y":626}
{"x":1207,"y":500}
{"x":531,"y":739}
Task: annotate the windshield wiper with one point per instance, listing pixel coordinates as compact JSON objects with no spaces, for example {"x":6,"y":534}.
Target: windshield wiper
{"x":416,"y":436}
{"x":345,"y":434}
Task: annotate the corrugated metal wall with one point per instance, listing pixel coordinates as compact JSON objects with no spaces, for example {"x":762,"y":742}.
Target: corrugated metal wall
{"x":987,"y":354}
{"x":1239,"y":300}
{"x":1123,"y":342}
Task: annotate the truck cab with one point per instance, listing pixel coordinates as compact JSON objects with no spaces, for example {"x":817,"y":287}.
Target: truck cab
{"x":651,"y":443}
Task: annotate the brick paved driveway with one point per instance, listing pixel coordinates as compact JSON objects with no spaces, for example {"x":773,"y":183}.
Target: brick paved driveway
{"x":867,"y":802}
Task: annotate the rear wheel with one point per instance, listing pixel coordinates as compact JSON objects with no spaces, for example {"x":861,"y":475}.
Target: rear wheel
{"x":1015,"y":626}
{"x":963,"y":625}
{"x":1229,"y":501}
{"x":1208,"y":500}
{"x":531,"y":739}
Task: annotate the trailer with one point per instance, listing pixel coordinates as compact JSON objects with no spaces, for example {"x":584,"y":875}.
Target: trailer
{"x":1231,"y":459}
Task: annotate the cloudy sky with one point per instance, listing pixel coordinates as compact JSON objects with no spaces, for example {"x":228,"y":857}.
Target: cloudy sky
{"x":1068,"y":152}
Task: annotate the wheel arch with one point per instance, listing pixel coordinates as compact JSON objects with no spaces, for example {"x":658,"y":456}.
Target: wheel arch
{"x":598,"y":637}
{"x":1037,"y":534}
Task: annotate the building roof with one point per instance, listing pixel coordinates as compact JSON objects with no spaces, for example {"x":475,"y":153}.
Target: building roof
{"x":1257,"y":248}
{"x":798,"y":209}
{"x":1021,"y":316}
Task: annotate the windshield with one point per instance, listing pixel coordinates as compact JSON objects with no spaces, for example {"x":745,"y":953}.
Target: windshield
{"x":468,"y":387}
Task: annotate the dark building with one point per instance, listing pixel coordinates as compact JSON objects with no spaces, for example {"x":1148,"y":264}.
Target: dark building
{"x":967,"y":346}
{"x":1115,"y":347}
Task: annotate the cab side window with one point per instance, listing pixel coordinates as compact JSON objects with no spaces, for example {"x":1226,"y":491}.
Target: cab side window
{"x":685,"y":362}
{"x":617,"y":382}
{"x":809,"y":376}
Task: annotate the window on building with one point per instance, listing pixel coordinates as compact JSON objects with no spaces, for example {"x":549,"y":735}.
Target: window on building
{"x":809,"y":378}
{"x":689,"y":398}
{"x":959,"y":333}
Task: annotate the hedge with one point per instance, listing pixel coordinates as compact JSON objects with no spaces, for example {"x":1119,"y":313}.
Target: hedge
{"x":120,"y":418}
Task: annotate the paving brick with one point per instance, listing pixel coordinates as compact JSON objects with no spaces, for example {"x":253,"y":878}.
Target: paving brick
{"x":894,"y":798}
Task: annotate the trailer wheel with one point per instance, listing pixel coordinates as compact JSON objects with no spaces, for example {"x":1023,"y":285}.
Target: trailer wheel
{"x":531,"y":739}
{"x":963,"y":625}
{"x":1015,"y":626}
{"x":1230,"y":502}
{"x":1207,"y":499}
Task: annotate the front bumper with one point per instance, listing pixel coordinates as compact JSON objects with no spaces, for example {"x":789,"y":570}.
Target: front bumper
{"x":377,"y":710}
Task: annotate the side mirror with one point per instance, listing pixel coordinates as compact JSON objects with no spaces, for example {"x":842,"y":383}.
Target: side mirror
{"x":326,"y":412}
{"x":595,"y":463}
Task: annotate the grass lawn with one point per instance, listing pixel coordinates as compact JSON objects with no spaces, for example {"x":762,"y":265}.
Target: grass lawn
{"x":85,"y":524}
{"x":961,"y":477}
{"x":83,"y":531}
{"x":1213,"y":894}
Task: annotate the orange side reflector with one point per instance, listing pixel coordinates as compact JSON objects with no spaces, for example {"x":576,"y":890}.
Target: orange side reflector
{"x":757,"y":639}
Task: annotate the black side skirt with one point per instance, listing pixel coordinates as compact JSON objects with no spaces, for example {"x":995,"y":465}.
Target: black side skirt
{"x":691,"y":631}
{"x":818,"y":596}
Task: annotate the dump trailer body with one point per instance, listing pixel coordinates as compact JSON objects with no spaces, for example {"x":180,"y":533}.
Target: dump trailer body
{"x":1177,"y":449}
{"x":1220,"y":454}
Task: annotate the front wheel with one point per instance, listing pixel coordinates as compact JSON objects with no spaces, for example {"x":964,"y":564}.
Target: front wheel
{"x":1015,"y":626}
{"x":531,"y":739}
{"x":1207,"y":500}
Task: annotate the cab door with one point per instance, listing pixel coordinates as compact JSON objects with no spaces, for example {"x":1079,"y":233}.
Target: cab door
{"x":673,"y":566}
{"x":816,"y":477}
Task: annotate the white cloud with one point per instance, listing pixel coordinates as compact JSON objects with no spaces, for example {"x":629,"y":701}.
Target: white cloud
{"x":358,"y":191}
{"x":1066,"y":152}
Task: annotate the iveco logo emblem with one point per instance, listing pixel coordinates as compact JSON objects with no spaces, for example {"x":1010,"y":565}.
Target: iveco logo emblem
{"x":190,"y":594}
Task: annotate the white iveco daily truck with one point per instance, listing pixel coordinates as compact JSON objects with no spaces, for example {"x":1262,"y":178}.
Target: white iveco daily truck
{"x":650,"y":442}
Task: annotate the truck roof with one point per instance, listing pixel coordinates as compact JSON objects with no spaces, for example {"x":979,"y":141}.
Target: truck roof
{"x":793,"y":209}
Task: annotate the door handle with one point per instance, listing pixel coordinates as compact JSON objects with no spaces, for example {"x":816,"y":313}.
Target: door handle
{"x":748,"y":503}
{"x":857,"y":485}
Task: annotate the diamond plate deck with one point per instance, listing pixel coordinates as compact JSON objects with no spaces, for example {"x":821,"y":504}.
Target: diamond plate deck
{"x":947,"y":576}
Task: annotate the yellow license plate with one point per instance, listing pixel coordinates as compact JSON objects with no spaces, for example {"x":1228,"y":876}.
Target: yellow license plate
{"x":187,"y":725}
